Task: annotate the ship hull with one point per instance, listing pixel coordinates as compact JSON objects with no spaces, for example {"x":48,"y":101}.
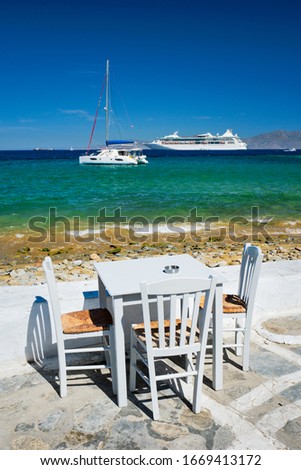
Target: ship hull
{"x":208,"y":147}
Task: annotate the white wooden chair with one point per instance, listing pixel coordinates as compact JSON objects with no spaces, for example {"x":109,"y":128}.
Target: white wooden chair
{"x":74,"y":326}
{"x":240,"y":306}
{"x":168,"y":335}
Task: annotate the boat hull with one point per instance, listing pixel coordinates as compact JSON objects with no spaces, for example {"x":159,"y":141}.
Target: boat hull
{"x":109,"y":157}
{"x":90,"y":161}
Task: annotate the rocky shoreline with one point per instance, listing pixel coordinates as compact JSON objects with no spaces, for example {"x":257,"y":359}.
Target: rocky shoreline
{"x":22,"y":263}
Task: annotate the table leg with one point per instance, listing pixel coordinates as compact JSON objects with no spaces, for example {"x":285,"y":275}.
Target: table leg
{"x":218,"y":339}
{"x":102,"y":294}
{"x":115,"y":305}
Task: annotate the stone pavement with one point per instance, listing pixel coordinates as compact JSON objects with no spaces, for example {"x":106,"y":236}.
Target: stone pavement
{"x":258,"y":410}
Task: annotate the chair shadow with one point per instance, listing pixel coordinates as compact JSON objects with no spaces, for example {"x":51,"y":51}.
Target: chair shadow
{"x":41,"y":348}
{"x":235,"y":361}
{"x":39,"y":340}
{"x":167,"y":389}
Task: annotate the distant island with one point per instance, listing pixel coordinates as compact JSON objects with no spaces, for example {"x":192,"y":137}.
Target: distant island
{"x":275,"y":140}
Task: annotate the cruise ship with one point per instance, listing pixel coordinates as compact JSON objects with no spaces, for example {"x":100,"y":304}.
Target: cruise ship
{"x":226,"y":141}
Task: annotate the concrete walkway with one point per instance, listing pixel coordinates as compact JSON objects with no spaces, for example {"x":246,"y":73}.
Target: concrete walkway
{"x":259,"y":410}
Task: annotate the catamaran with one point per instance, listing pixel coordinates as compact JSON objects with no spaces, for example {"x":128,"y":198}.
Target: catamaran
{"x":116,"y":152}
{"x":226,"y":141}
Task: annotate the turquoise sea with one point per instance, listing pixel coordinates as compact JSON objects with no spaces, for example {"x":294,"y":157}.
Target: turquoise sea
{"x":220,"y":186}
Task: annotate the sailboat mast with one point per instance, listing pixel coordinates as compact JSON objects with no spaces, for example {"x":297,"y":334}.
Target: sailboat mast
{"x":107,"y":102}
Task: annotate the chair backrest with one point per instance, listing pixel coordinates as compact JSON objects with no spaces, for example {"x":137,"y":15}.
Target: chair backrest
{"x":249,"y":274}
{"x":176,"y":299}
{"x":53,"y":294}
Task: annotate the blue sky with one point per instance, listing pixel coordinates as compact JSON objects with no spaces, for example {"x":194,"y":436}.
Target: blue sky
{"x":193,"y":66}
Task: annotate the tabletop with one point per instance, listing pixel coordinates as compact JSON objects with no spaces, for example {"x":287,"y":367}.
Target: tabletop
{"x":124,"y":277}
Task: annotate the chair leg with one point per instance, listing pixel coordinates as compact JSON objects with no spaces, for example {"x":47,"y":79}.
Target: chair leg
{"x":238,"y":340}
{"x":63,"y":379}
{"x":107,"y":354}
{"x":133,"y":362}
{"x":189,"y":367}
{"x":198,"y":381}
{"x":62,"y":369}
{"x":153,"y":388}
{"x":246,"y":351}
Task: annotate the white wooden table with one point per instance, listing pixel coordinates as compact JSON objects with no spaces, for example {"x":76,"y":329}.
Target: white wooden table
{"x":119,"y":286}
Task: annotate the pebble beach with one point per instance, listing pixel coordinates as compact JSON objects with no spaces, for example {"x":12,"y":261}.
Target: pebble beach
{"x":22,"y":262}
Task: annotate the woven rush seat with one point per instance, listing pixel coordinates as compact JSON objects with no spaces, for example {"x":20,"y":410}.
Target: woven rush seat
{"x":154,"y":325}
{"x":232,"y":303}
{"x":140,"y":331}
{"x":86,"y":321}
